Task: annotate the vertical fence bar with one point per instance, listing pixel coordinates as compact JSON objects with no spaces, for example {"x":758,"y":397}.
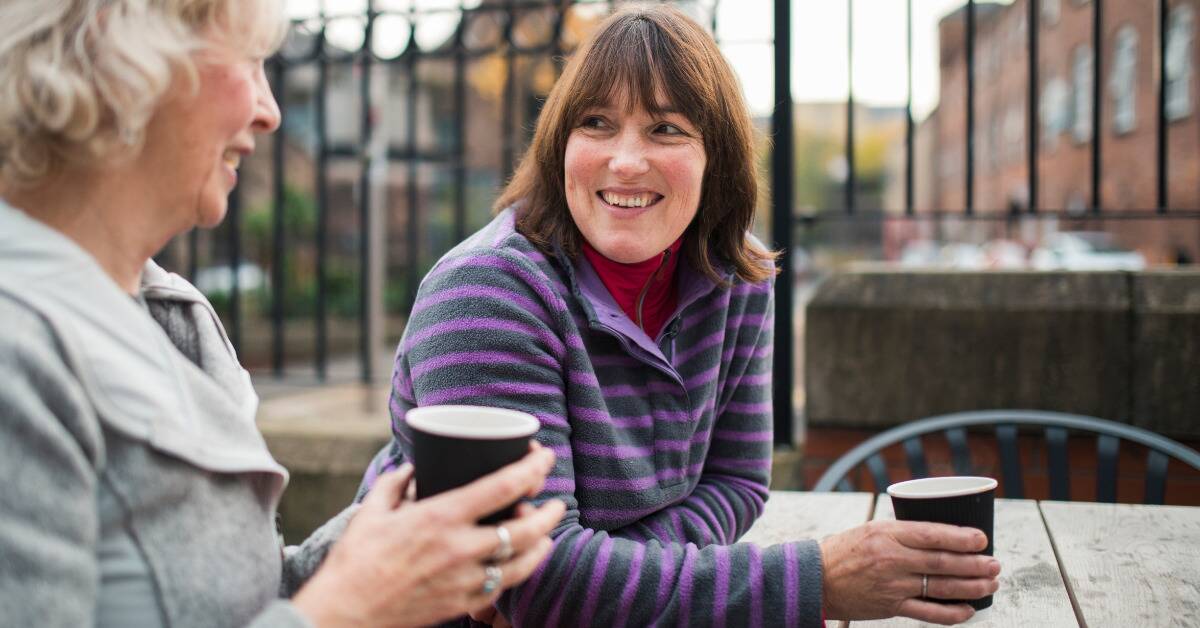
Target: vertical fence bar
{"x":1032,"y":110}
{"x":970,"y":160}
{"x":781,"y":223}
{"x":193,"y":241}
{"x":510,"y":89}
{"x":322,"y":324}
{"x":234,"y":220}
{"x":1161,"y":138}
{"x":414,"y":226}
{"x":278,"y":252}
{"x":366,"y":368}
{"x":851,"y":173}
{"x":1097,"y":101}
{"x":460,"y":131}
{"x":909,"y":131}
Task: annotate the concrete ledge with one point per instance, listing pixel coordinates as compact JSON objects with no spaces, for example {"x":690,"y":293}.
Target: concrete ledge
{"x":883,"y":348}
{"x":787,"y":469}
{"x":1166,"y":352}
{"x":325,"y":438}
{"x":886,"y":347}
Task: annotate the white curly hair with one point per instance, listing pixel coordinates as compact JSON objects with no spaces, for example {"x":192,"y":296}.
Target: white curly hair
{"x":83,"y":77}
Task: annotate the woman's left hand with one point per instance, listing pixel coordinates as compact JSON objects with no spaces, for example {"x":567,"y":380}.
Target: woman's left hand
{"x":875,"y":571}
{"x":403,"y":563}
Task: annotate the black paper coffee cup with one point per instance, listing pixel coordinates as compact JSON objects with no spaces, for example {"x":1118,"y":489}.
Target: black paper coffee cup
{"x":957,"y":500}
{"x":455,"y":445}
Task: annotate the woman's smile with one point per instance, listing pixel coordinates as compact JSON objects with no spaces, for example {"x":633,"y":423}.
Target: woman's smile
{"x":636,"y":200}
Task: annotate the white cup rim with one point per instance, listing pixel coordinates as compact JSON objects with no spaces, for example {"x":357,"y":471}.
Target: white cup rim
{"x":472,"y":422}
{"x":940,"y":487}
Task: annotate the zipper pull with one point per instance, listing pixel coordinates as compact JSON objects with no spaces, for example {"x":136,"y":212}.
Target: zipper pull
{"x":666,"y":255}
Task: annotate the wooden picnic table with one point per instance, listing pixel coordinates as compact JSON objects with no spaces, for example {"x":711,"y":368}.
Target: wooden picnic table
{"x":1064,"y":563}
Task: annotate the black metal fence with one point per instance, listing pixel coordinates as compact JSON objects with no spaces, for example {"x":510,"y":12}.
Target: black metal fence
{"x":402,"y":81}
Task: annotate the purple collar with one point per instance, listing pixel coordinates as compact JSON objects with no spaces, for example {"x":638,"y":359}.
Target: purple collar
{"x":605,"y":312}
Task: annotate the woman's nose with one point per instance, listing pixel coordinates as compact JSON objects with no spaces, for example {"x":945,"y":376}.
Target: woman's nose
{"x":628,"y":157}
{"x":266,"y":110}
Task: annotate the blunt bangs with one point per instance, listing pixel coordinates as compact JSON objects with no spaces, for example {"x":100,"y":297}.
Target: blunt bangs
{"x":637,"y":62}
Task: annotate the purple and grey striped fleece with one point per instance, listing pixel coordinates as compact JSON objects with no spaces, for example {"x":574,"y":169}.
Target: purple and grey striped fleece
{"x":663,"y":445}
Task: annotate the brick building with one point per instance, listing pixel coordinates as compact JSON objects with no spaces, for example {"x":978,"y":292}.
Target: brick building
{"x":1128,"y":120}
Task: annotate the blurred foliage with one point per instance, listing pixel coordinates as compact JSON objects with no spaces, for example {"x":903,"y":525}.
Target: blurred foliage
{"x":299,"y":219}
{"x":299,"y":265}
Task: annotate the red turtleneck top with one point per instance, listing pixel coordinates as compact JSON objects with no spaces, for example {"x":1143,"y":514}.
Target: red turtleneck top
{"x":649,"y":284}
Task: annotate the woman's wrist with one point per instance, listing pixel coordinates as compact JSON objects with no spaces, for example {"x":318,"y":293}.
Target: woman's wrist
{"x":313,"y":602}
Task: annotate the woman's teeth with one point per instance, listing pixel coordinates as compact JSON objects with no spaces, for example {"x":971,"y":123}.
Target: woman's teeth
{"x":636,"y":200}
{"x":233,"y":160}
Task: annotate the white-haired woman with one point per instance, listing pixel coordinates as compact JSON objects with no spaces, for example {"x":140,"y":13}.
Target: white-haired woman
{"x":137,"y":489}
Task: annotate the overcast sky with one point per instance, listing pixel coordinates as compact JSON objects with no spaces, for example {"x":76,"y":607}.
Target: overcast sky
{"x":819,"y":64}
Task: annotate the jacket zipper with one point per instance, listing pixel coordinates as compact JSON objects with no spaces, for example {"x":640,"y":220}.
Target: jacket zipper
{"x":641,"y":300}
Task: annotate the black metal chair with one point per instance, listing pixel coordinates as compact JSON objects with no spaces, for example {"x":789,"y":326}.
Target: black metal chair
{"x":1056,"y":426}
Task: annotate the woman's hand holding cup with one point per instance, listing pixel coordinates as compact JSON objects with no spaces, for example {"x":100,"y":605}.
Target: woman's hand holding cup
{"x":879,"y":570}
{"x":404,"y":563}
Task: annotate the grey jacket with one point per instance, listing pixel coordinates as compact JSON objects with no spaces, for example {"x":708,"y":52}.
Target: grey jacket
{"x":136,"y":487}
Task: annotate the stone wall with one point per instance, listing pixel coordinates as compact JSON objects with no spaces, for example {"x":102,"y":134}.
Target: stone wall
{"x":886,"y":347}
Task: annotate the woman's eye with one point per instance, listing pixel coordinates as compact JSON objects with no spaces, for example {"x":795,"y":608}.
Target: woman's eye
{"x":593,"y":122}
{"x":669,"y":129}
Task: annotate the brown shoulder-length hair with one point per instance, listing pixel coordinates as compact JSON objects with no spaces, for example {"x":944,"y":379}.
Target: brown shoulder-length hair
{"x":643,"y":55}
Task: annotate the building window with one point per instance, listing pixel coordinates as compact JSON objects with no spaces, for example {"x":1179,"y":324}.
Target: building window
{"x":1124,"y":78}
{"x":1081,"y":94}
{"x":1054,"y":111}
{"x":1050,"y":11}
{"x":1179,"y":62}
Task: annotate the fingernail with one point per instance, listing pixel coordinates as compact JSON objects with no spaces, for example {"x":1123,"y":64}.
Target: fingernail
{"x":994,"y":568}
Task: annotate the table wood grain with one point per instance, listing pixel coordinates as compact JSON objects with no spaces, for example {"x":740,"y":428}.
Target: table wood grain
{"x":1031,"y":592}
{"x":1129,"y":565}
{"x":793,"y":515}
{"x":1064,"y":563}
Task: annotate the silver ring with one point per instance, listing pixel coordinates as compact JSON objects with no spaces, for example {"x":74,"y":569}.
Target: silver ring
{"x":491,"y":579}
{"x":504,"y":551}
{"x":924,"y":585}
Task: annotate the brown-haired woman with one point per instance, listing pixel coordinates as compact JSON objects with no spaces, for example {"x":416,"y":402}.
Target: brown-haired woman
{"x":619,"y":297}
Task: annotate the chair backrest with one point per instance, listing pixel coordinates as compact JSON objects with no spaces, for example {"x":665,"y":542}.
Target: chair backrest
{"x":1005,"y":423}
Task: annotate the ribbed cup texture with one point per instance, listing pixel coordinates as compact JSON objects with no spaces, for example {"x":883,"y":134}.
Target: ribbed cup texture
{"x":975,"y":511}
{"x":441,"y":463}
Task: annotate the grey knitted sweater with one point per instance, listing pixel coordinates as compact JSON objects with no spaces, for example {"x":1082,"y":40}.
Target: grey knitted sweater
{"x":137,"y":490}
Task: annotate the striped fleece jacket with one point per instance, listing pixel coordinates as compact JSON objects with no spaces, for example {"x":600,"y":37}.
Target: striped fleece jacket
{"x":664,"y":447}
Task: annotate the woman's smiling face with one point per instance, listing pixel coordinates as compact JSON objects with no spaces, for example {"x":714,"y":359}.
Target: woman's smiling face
{"x":196,"y":140}
{"x":633,"y":179}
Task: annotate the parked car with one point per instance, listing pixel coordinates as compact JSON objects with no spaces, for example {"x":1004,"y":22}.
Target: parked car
{"x":215,"y":280}
{"x":962,"y":256}
{"x":1005,"y":255}
{"x":1084,"y":250}
{"x":919,"y":254}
